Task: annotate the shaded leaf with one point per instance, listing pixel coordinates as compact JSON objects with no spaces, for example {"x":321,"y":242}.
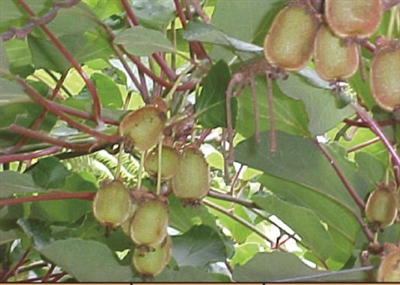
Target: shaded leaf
{"x":3,"y":60}
{"x":38,"y":231}
{"x":16,"y":183}
{"x":87,"y":261}
{"x":141,"y":41}
{"x":301,"y":220}
{"x":184,"y":274}
{"x":155,"y":14}
{"x":198,"y":247}
{"x":49,"y":173}
{"x":108,"y":92}
{"x":211,"y":104}
{"x":19,"y":57}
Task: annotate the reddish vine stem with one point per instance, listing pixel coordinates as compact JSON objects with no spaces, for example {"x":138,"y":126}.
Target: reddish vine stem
{"x":16,"y":266}
{"x":48,"y":273}
{"x":28,"y":156}
{"x":56,"y":142}
{"x":55,"y":195}
{"x":360,"y":203}
{"x":69,"y":57}
{"x":200,"y":11}
{"x":41,"y":116}
{"x":52,"y":108}
{"x":161,"y":62}
{"x":365,"y":125}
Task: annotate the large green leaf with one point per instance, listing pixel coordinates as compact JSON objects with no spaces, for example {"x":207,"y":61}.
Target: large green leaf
{"x":155,"y":14}
{"x":19,"y":57}
{"x":87,"y":261}
{"x":211,"y":104}
{"x":3,"y":60}
{"x":286,"y":267}
{"x":184,"y":274}
{"x":199,"y":246}
{"x":49,"y":173}
{"x":16,"y":183}
{"x":319,"y":103}
{"x":141,"y":41}
{"x":108,"y":92}
{"x":301,"y":220}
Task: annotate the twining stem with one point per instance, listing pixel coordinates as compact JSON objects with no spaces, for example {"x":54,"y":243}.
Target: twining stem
{"x":16,"y":266}
{"x":70,"y":58}
{"x":55,"y":195}
{"x":29,"y":156}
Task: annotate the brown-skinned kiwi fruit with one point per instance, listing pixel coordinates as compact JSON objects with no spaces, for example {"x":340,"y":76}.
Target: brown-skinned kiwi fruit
{"x":332,"y":59}
{"x":381,"y":207}
{"x":151,"y":263}
{"x":112,"y":203}
{"x":289,"y":42}
{"x":355,"y":18}
{"x":169,"y":162}
{"x":192,"y":181}
{"x":149,"y":223}
{"x":389,"y":269}
{"x":142,"y":128}
{"x":385,"y":75}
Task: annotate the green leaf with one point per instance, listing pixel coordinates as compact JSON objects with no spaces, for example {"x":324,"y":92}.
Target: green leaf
{"x":49,"y":173}
{"x":301,"y":220}
{"x":184,"y":274}
{"x":39,"y":232}
{"x":141,"y":41}
{"x":16,"y":183}
{"x":272,"y":266}
{"x":211,"y":104}
{"x":198,"y":247}
{"x":87,"y":261}
{"x":108,"y":92}
{"x":3,"y":60}
{"x":320,"y":105}
{"x":19,"y":57}
{"x":154,"y":14}
{"x":184,"y":218}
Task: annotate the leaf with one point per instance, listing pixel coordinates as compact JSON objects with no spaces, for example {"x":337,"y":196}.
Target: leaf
{"x":3,"y":60}
{"x":39,"y":232}
{"x":184,"y":218}
{"x":211,"y":104}
{"x":16,"y":183}
{"x":108,"y":92}
{"x":19,"y":57}
{"x":154,"y":14}
{"x":322,"y":113}
{"x":49,"y":173}
{"x":87,"y":261}
{"x":184,"y":274}
{"x":198,"y":247}
{"x":271,"y":266}
{"x":301,"y":220}
{"x":141,"y":41}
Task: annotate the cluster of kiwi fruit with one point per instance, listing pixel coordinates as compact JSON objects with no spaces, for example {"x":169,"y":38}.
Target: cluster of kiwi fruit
{"x":143,"y":214}
{"x":330,"y":33}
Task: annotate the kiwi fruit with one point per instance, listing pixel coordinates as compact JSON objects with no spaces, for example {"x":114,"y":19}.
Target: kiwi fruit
{"x":149,"y":223}
{"x":169,"y":162}
{"x":289,"y":42}
{"x":381,"y":207}
{"x":389,"y":269}
{"x":151,"y":263}
{"x":192,"y":181}
{"x":332,"y":59}
{"x":355,"y":18}
{"x":112,"y":203}
{"x":142,"y":128}
{"x":385,"y":76}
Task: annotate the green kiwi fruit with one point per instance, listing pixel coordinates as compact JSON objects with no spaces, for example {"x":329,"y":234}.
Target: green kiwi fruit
{"x":355,"y":18}
{"x":289,"y":42}
{"x":112,"y":203}
{"x":385,"y":76}
{"x":381,"y":207}
{"x":149,"y":223}
{"x":142,"y":128}
{"x":169,"y":162}
{"x":389,"y":269}
{"x":151,"y":263}
{"x":192,"y":181}
{"x":332,"y":59}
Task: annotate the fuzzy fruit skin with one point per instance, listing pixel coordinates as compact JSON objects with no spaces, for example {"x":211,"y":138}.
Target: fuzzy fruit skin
{"x":149,"y":223}
{"x":385,"y":77}
{"x":169,"y":162}
{"x":389,"y":269}
{"x":152,"y":263}
{"x":332,"y":59}
{"x":381,"y":207}
{"x":289,"y":42}
{"x":112,"y":203}
{"x":143,"y":127}
{"x":355,"y":18}
{"x":192,"y":181}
